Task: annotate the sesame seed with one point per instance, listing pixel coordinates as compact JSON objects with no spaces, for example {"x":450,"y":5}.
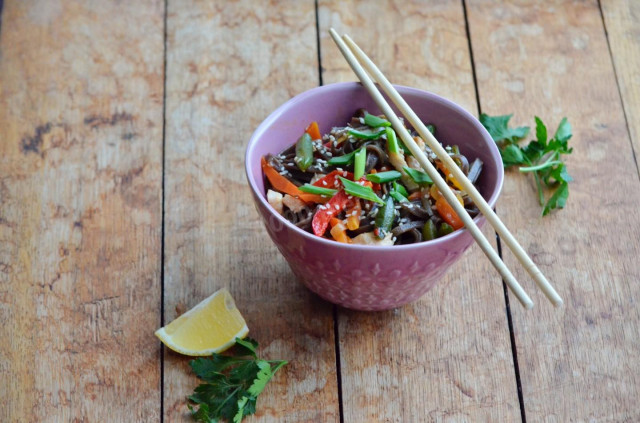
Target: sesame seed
{"x":324,"y":183}
{"x":337,"y":207}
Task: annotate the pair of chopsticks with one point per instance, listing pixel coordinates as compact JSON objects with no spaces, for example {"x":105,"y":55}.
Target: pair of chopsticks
{"x":350,"y":51}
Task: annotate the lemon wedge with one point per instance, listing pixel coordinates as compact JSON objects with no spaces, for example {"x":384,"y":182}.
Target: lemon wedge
{"x":210,"y":327}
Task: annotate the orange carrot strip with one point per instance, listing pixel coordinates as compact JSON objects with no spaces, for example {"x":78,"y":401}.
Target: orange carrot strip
{"x":353,"y":216}
{"x":448,"y":214}
{"x":313,"y":131}
{"x":278,"y":181}
{"x":339,"y":231}
{"x":449,"y":175}
{"x":282,"y":184}
{"x":415,"y":195}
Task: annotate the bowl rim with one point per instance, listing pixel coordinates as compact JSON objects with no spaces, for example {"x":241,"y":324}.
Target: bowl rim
{"x":267,"y":122}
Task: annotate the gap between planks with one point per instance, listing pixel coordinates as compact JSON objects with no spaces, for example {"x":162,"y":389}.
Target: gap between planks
{"x":512,"y":338}
{"x":162,"y":257}
{"x":615,"y":75}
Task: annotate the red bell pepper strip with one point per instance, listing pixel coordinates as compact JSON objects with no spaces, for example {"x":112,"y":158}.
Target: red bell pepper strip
{"x":330,"y":179}
{"x":333,"y":207}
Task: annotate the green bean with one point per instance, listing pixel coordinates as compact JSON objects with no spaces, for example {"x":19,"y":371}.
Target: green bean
{"x":429,"y":231}
{"x":304,"y":152}
{"x":385,"y":217}
{"x":444,"y":229}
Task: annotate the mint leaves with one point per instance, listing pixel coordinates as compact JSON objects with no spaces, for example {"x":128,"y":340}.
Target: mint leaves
{"x":542,"y":157}
{"x":232,"y":383}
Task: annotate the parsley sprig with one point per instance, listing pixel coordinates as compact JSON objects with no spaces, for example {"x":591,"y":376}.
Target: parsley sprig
{"x":542,"y":157}
{"x":232,"y":383}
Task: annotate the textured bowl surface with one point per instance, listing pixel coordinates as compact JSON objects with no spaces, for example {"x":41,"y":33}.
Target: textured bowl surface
{"x":357,"y":276}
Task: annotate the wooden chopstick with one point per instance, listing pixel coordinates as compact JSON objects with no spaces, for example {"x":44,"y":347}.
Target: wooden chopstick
{"x":473,"y":229}
{"x":437,"y":148}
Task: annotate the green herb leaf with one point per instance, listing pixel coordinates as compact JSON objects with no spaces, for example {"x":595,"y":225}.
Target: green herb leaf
{"x":246,"y":346}
{"x":558,"y":200}
{"x":360,"y":191}
{"x":242,"y":402}
{"x":498,"y":128}
{"x":264,"y":376}
{"x":233,"y":383}
{"x":201,"y":414}
{"x":418,"y":176}
{"x":542,"y":157}
{"x":563,"y":133}
{"x":512,"y":155}
{"x":541,"y":132}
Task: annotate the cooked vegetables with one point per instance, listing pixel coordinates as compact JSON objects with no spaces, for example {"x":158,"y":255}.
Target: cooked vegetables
{"x":357,"y":184}
{"x":304,"y":152}
{"x":383,"y":177}
{"x":361,"y":191}
{"x":385,"y":217}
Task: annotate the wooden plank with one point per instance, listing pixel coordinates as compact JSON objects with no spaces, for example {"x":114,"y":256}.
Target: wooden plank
{"x":622,"y":21}
{"x":80,"y":210}
{"x":576,"y":362}
{"x":448,"y":355}
{"x":227,"y":69}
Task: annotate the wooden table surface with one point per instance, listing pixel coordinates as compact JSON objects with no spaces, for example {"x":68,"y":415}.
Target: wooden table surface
{"x":122,"y":132}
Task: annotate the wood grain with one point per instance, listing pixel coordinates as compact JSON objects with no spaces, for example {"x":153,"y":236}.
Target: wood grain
{"x":576,"y":362}
{"x":80,"y":210}
{"x":622,"y":20}
{"x":447,"y":357}
{"x":227,"y":69}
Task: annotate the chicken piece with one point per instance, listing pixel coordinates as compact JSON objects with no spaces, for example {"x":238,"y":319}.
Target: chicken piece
{"x":294,"y":204}
{"x":275,"y":199}
{"x":368,"y":238}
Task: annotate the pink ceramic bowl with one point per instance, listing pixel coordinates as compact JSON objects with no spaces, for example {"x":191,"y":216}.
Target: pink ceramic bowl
{"x":358,"y":276}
